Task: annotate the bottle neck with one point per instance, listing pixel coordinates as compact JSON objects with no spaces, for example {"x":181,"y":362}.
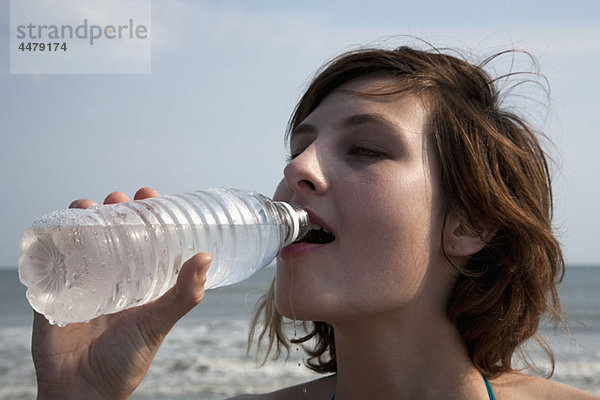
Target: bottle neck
{"x":295,"y":219}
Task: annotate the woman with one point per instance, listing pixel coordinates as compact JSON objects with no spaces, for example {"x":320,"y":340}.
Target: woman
{"x":432,"y":262}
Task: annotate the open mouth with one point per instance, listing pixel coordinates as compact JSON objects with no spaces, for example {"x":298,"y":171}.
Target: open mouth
{"x":317,"y":234}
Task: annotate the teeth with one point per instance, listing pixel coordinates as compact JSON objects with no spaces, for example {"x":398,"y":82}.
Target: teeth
{"x":318,"y":227}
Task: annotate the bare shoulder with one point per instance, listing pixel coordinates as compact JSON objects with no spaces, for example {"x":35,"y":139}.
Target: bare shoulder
{"x":319,"y":388}
{"x":520,"y":386}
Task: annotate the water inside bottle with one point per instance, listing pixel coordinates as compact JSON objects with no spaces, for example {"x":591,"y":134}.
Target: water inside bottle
{"x":75,"y":273}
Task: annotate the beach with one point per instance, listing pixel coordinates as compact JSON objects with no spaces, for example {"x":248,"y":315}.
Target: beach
{"x":204,"y":356}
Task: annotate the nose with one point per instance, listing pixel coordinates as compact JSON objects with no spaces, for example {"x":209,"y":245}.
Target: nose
{"x":304,"y":174}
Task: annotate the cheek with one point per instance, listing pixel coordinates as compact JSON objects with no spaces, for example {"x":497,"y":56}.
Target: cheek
{"x":283,"y":192}
{"x":390,"y":260}
{"x":391,"y":241}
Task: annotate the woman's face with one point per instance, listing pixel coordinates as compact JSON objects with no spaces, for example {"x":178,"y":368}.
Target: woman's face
{"x":365,"y":169}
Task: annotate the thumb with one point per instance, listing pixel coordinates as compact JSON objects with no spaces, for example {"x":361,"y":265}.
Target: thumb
{"x":187,"y":292}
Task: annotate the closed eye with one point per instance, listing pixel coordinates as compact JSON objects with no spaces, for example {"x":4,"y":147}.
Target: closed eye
{"x":289,"y":157}
{"x":365,"y":152}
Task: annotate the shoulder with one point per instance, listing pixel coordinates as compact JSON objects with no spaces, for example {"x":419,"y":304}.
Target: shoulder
{"x":319,"y":388}
{"x":524,"y":387}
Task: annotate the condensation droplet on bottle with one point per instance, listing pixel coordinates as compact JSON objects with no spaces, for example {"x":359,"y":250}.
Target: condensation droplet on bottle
{"x":122,"y":302}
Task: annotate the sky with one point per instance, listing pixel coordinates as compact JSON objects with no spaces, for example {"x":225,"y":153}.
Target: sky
{"x":225,"y":76}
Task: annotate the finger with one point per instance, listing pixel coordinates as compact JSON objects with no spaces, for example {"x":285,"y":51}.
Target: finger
{"x":145,"y":193}
{"x":39,"y":321}
{"x":82,"y":203}
{"x":116,"y":197}
{"x":187,"y":292}
{"x":40,"y":334}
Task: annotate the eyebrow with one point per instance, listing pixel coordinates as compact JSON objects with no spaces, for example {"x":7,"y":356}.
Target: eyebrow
{"x":351,"y":121}
{"x":361,"y":119}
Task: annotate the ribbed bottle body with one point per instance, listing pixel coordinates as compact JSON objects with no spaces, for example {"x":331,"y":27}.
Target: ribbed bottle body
{"x":79,"y":264}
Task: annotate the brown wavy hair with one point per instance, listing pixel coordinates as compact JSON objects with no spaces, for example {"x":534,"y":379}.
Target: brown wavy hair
{"x":494,"y":174}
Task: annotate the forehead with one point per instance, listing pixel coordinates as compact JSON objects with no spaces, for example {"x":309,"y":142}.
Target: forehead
{"x":383,"y":97}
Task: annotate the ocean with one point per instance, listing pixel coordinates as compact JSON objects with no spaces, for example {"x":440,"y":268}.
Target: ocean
{"x":204,"y":356}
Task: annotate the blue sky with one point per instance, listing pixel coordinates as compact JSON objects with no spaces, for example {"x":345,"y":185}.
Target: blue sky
{"x":225,"y":77}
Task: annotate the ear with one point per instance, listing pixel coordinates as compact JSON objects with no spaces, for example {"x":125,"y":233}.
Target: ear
{"x":461,"y":239}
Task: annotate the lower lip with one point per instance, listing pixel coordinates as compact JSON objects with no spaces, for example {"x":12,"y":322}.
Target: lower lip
{"x":300,"y":249}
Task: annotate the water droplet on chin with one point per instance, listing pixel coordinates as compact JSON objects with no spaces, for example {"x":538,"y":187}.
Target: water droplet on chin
{"x":61,"y":324}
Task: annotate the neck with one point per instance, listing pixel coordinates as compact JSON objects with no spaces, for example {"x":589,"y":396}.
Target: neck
{"x":404,"y":355}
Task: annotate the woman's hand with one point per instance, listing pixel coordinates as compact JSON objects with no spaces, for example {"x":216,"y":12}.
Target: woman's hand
{"x":108,"y":357}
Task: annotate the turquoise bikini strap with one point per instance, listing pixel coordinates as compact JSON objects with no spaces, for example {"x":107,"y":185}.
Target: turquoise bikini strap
{"x":489,"y":388}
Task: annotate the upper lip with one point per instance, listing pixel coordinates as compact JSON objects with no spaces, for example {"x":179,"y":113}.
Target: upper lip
{"x":316,"y":219}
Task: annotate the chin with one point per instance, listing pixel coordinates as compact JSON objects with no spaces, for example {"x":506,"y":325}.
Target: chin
{"x":292,"y":305}
{"x":311,"y":305}
{"x":300,"y":305}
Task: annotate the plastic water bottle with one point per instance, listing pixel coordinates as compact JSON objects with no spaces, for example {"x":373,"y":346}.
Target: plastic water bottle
{"x":78,"y":264}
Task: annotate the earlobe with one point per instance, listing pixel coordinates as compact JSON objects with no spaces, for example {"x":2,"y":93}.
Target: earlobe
{"x":462,"y":240}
